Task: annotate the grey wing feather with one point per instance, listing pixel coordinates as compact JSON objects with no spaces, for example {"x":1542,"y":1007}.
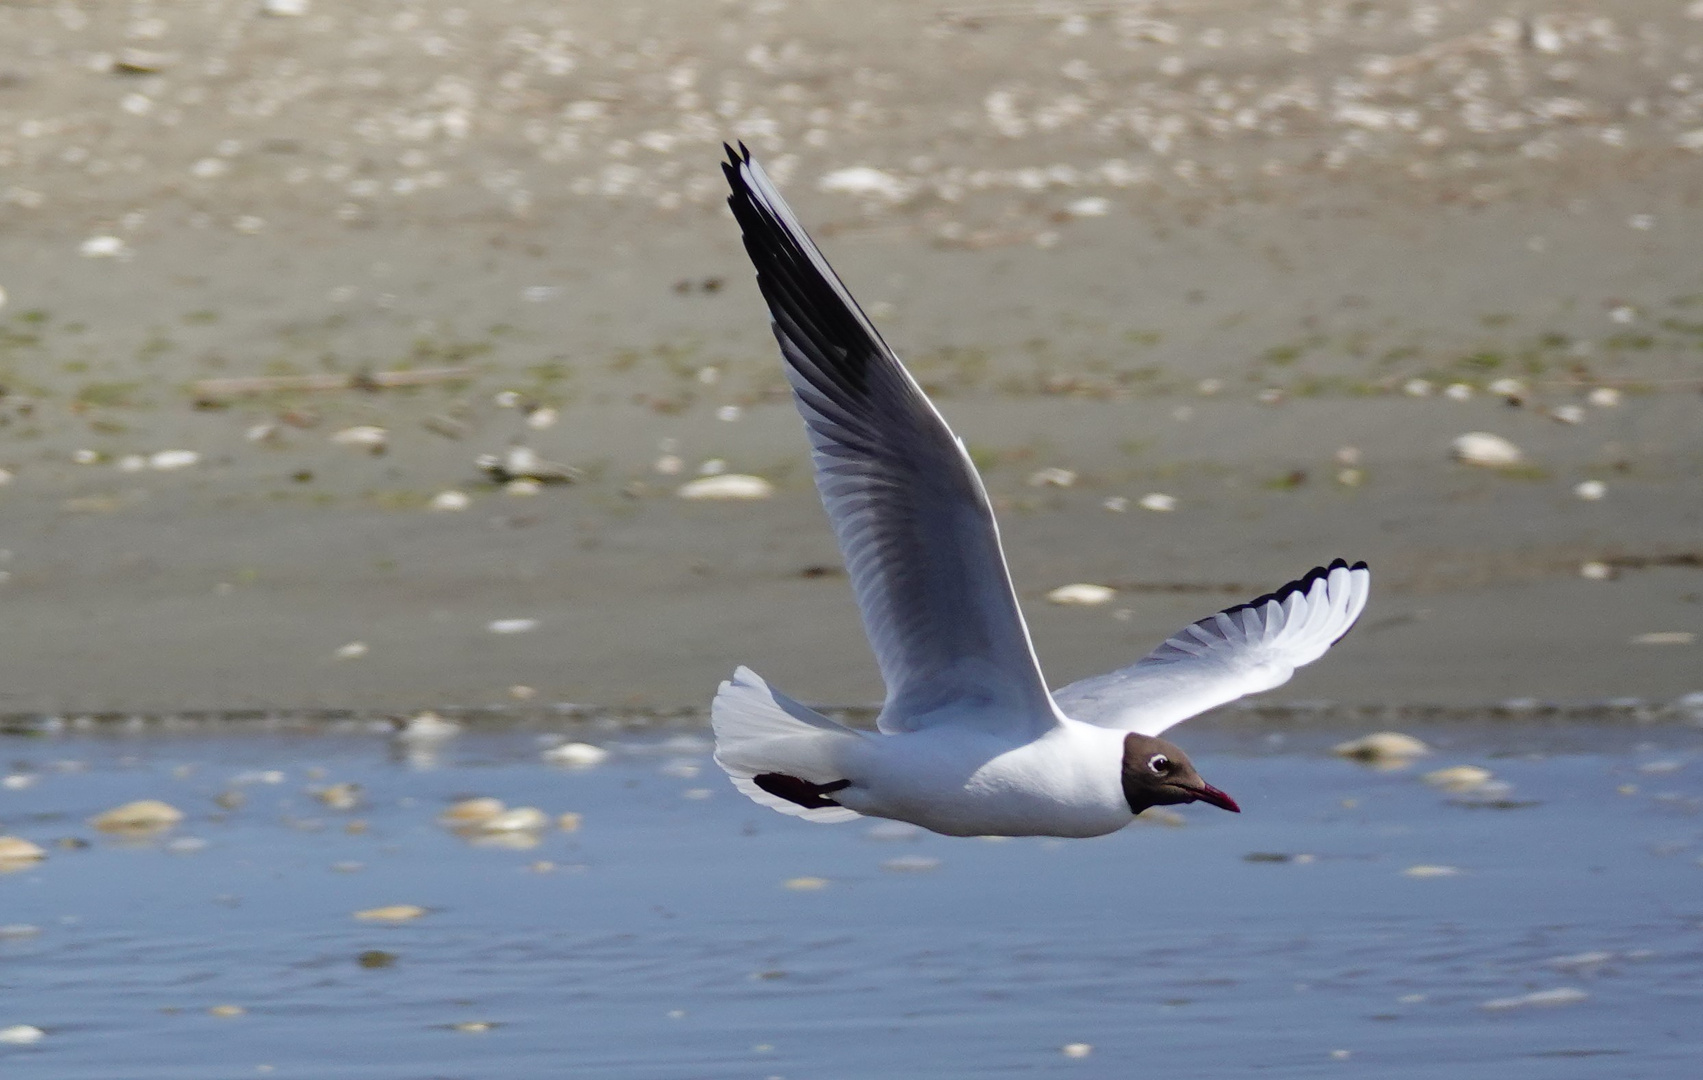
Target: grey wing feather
{"x":1238,"y":651}
{"x":910,"y":513}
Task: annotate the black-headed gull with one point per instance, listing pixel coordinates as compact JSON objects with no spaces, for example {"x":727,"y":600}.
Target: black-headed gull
{"x":969,"y":742}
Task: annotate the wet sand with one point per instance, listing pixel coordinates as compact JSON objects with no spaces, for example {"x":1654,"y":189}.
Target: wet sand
{"x":1196,"y":250}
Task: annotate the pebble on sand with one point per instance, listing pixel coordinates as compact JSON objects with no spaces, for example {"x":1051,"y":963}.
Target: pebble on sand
{"x":1596,"y":570}
{"x":511,"y":626}
{"x":1076,"y":1050}
{"x":450,"y":500}
{"x":227,"y":1010}
{"x":21,"y":1034}
{"x":391,"y":913}
{"x":140,"y":816}
{"x":1382,"y":748}
{"x":1590,"y":490}
{"x":15,"y":852}
{"x":1458,"y":777}
{"x":576,"y":755}
{"x":727,"y":486}
{"x":1425,"y":870}
{"x":1561,"y":995}
{"x":1486,"y":450}
{"x":1604,"y":397}
{"x":344,"y":796}
{"x":1081,"y":594}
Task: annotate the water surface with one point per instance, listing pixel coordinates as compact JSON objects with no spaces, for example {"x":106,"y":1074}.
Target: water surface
{"x":662,"y":939}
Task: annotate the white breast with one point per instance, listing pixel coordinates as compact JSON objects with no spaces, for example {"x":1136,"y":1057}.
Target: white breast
{"x":964,"y":783}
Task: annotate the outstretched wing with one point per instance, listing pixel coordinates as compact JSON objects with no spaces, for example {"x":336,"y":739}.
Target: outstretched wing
{"x":1241,"y":650}
{"x":912,"y":517}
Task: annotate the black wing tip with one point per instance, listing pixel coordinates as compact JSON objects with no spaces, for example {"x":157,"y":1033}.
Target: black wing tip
{"x":1301,"y":584}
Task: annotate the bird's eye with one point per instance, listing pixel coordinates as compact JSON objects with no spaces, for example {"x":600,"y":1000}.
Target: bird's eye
{"x":1159,"y":763}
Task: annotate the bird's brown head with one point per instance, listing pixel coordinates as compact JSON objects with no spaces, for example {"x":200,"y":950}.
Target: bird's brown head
{"x":1158,"y":773}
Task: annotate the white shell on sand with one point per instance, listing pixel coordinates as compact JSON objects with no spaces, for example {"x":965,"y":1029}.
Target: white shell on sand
{"x":1595,"y":570}
{"x":864,"y":181}
{"x":284,"y":8}
{"x":1487,"y":450}
{"x":15,"y":850}
{"x":139,"y":815}
{"x":577,"y":755}
{"x":1666,"y":637}
{"x":426,"y":727}
{"x":511,"y":626}
{"x":167,"y":460}
{"x":1076,"y":1050}
{"x":727,"y":486}
{"x":1590,"y":490}
{"x":1382,"y":747}
{"x":1430,"y":871}
{"x":1458,"y":777}
{"x":103,"y":247}
{"x":471,"y":811}
{"x":519,"y":819}
{"x":1561,"y":995}
{"x":354,"y":650}
{"x":1604,"y":397}
{"x":391,"y":913}
{"x":806,"y":884}
{"x":1081,"y":594}
{"x":1568,"y":414}
{"x":450,"y":500}
{"x":363,"y":437}
{"x":21,"y":1034}
{"x":1158,"y":502}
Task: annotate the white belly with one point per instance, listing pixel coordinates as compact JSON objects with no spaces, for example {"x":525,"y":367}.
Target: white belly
{"x":943,"y":780}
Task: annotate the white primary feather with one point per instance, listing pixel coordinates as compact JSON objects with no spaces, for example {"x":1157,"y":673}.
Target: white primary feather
{"x":911,"y":515}
{"x":1242,"y":650}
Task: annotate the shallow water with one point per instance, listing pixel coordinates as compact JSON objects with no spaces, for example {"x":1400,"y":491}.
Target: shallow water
{"x":661,"y":939}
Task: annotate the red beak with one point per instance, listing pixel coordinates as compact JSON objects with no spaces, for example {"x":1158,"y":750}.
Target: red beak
{"x":1208,"y":794}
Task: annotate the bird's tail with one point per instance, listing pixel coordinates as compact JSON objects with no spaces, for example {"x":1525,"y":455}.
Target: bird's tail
{"x":760,"y":730}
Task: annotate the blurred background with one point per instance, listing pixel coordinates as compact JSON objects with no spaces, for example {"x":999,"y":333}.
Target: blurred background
{"x":394,"y":456}
{"x":1213,"y":290}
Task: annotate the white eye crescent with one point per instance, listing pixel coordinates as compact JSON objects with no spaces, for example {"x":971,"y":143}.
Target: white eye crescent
{"x":1159,"y":763}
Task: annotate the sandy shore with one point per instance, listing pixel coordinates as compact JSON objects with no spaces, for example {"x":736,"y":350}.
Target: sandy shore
{"x":1221,"y":252}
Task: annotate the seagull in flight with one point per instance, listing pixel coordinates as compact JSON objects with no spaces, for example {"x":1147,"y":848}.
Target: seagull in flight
{"x":969,"y":742}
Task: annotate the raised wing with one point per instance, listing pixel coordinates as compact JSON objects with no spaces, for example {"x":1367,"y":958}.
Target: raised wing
{"x":1241,"y":650}
{"x":910,"y":513}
